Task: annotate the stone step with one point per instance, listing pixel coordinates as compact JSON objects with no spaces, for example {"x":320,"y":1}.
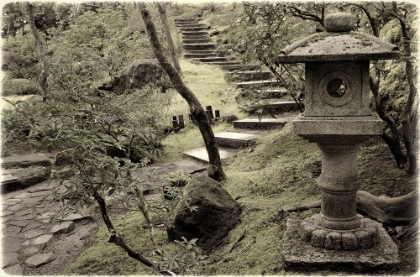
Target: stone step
{"x":249,"y":75}
{"x":232,"y":67}
{"x":248,"y":84}
{"x":268,"y":93}
{"x":200,"y":154}
{"x":194,"y":33}
{"x":9,"y":183}
{"x":25,"y":161}
{"x":235,"y":139}
{"x":211,"y":59}
{"x":194,"y":28}
{"x":199,"y":46}
{"x":282,"y":106}
{"x":196,"y":40}
{"x":201,"y":51}
{"x":26,"y":176}
{"x":195,"y":36}
{"x":278,"y":106}
{"x":186,"y":20}
{"x":192,"y":25}
{"x":257,"y":124}
{"x":198,"y":55}
{"x":224,"y":63}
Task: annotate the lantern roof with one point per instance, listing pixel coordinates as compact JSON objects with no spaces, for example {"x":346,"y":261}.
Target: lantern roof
{"x":338,"y":43}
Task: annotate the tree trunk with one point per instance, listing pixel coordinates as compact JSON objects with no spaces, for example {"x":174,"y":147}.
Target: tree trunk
{"x":215,"y":170}
{"x":392,"y":211}
{"x":409,"y":122}
{"x":41,"y":53}
{"x":393,"y":140}
{"x":162,"y":14}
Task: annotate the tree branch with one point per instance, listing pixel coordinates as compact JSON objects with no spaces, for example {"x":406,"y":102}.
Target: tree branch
{"x":215,"y":169}
{"x":115,"y":237}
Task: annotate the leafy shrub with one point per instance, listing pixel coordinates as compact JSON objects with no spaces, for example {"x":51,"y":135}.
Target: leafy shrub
{"x":19,"y":87}
{"x":187,"y":258}
{"x":178,"y":179}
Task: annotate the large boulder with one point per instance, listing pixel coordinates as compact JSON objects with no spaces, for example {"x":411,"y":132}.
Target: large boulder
{"x":7,"y":59}
{"x":215,"y":215}
{"x":139,"y":74}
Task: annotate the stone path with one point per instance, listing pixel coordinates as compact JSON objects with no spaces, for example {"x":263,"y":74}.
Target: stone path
{"x":37,"y":238}
{"x":198,"y":45}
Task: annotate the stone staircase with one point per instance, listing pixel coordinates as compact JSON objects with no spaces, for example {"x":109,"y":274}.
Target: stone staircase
{"x":199,"y":47}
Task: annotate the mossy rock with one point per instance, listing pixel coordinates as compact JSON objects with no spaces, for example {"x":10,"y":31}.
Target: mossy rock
{"x":205,"y":211}
{"x":19,"y":87}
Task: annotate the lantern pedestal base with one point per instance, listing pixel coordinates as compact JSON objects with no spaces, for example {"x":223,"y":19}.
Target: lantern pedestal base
{"x":300,"y":255}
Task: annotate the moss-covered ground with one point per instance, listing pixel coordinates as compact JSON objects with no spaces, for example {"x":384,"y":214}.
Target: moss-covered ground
{"x":266,"y":179}
{"x":277,"y":173}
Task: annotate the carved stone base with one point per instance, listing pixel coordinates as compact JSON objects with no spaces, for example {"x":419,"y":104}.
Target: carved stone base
{"x":360,"y":238}
{"x":301,"y":255}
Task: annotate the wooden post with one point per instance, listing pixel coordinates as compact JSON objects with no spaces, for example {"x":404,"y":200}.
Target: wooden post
{"x":209,"y":108}
{"x":174,"y":122}
{"x":181,"y":121}
{"x":217,"y":115}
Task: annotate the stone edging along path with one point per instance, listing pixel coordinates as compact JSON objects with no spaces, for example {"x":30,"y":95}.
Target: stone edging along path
{"x":37,"y":239}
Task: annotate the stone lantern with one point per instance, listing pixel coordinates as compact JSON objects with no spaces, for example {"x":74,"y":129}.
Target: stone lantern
{"x":337,"y":117}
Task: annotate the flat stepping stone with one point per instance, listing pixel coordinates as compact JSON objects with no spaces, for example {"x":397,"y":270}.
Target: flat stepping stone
{"x":27,"y":176}
{"x":257,"y":83}
{"x":25,"y":161}
{"x":225,"y":63}
{"x":14,"y":270}
{"x":189,"y":166}
{"x":234,"y":139}
{"x":192,"y":25}
{"x":195,"y":36}
{"x":198,"y":55}
{"x":281,"y":106}
{"x":200,"y":154}
{"x":201,"y":51}
{"x":273,"y":91}
{"x":199,"y":46}
{"x":62,"y":227}
{"x":39,"y":260}
{"x":43,"y":239}
{"x":178,"y":20}
{"x":75,"y":217}
{"x":9,"y":259}
{"x":197,"y":40}
{"x":194,"y":33}
{"x":181,"y":22}
{"x":232,"y":67}
{"x":9,"y":183}
{"x":250,"y":75}
{"x":31,"y":250}
{"x":272,"y":94}
{"x":211,"y":59}
{"x":192,"y":28}
{"x":263,"y":124}
{"x":33,"y":233}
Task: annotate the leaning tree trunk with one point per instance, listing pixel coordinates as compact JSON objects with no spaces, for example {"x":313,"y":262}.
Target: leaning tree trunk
{"x":162,"y":14}
{"x":215,"y":170}
{"x":41,"y":53}
{"x":410,"y":116}
{"x":391,"y":211}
